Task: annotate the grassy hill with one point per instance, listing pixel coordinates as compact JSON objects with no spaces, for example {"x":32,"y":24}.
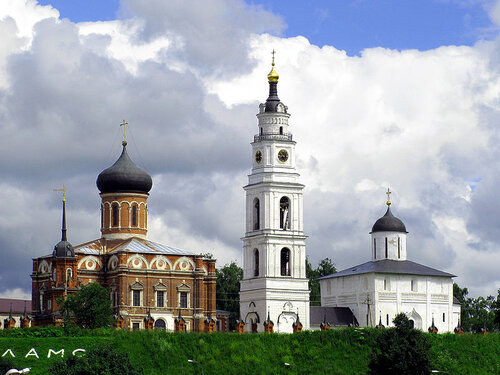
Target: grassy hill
{"x":341,"y":351}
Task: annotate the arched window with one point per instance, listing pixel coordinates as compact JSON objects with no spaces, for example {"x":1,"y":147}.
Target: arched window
{"x":285,"y":262}
{"x":256,"y":214}
{"x":134,"y":216}
{"x":284,"y":213}
{"x":256,"y":262}
{"x":69,"y":275}
{"x":160,"y":324}
{"x":386,"y":249}
{"x":114,"y":213}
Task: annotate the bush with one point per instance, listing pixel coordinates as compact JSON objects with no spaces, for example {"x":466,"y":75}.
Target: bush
{"x":99,"y":360}
{"x":6,"y":364}
{"x":401,"y":350}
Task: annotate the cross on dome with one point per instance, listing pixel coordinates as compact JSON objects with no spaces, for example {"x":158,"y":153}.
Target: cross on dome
{"x":124,"y":142}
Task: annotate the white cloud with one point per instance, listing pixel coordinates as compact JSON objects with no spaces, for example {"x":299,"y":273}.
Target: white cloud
{"x":422,"y":123}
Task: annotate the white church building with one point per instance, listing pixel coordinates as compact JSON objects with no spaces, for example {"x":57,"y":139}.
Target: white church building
{"x":378,"y":290}
{"x":274,"y":285}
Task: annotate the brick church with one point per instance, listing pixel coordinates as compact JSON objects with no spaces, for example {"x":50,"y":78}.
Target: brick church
{"x":150,"y":285}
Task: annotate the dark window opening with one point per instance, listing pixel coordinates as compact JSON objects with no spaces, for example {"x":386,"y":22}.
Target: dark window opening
{"x":399,"y":247}
{"x":256,"y":262}
{"x":444,"y":316}
{"x":386,"y":248}
{"x":160,"y":324}
{"x":285,"y":262}
{"x":374,"y":248}
{"x":183,"y":303}
{"x":387,"y":319}
{"x":135,"y":326}
{"x":284,"y":213}
{"x":136,"y":298}
{"x":261,"y":131}
{"x":256,"y":214}
{"x":281,"y":130}
{"x":160,"y":295}
{"x":134,"y":216}
{"x":114,"y":210}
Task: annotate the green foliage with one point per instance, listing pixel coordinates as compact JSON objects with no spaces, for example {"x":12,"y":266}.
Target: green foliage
{"x":99,"y":360}
{"x":90,"y":307}
{"x":478,"y":312}
{"x":228,"y":290}
{"x":325,"y":267}
{"x":337,"y":351}
{"x":401,"y":350}
{"x":6,"y":364}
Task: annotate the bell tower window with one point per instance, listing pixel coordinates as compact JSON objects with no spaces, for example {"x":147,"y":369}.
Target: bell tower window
{"x":114,"y":214}
{"x":134,"y":216}
{"x":256,"y":262}
{"x":386,"y":249}
{"x":285,"y":262}
{"x":284,"y":213}
{"x":256,"y":214}
{"x":281,"y":130}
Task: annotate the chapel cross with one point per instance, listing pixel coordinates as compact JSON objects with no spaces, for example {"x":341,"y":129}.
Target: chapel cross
{"x":63,"y":190}
{"x":273,"y":55}
{"x":123,"y":124}
{"x":388,"y":197}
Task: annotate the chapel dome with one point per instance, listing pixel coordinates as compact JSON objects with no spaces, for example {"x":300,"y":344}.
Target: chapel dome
{"x":63,"y":250}
{"x":389,"y":223}
{"x":124,"y":176}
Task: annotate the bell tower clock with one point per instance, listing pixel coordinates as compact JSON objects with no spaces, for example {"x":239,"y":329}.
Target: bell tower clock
{"x":274,"y":283}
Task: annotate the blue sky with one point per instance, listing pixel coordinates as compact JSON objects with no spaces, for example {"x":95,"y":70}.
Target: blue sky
{"x":350,"y":25}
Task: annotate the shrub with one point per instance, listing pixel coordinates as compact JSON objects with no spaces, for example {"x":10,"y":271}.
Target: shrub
{"x":401,"y":350}
{"x":99,"y":360}
{"x":6,"y":364}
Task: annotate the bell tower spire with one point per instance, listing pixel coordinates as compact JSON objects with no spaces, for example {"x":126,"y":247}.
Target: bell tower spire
{"x":274,"y":279}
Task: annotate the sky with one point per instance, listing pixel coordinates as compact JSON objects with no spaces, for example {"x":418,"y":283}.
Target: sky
{"x":382,"y":94}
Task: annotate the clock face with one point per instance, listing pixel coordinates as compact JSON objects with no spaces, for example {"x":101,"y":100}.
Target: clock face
{"x":282,"y":156}
{"x":258,"y":156}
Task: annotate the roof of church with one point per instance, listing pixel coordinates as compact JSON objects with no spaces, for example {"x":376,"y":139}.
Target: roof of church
{"x":335,"y":316}
{"x":17,"y":305}
{"x":389,"y":223}
{"x":390,"y":266}
{"x":134,"y":245}
{"x":124,"y":176}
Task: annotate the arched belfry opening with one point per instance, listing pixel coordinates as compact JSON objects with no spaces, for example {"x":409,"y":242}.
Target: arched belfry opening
{"x":134,"y":215}
{"x":285,"y":262}
{"x":285,"y":213}
{"x":256,"y":214}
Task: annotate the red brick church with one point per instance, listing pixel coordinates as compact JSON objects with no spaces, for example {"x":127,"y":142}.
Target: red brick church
{"x":150,"y":285}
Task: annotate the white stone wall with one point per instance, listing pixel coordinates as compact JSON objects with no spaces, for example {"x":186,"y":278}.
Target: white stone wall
{"x":394,"y":251}
{"x":390,"y":294}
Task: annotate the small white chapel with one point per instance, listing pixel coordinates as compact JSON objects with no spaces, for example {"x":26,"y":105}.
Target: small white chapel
{"x":378,"y":290}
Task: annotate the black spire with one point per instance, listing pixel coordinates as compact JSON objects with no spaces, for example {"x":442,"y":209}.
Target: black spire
{"x":63,"y":249}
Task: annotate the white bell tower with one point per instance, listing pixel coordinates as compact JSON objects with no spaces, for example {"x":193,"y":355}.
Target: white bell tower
{"x":274,"y":281}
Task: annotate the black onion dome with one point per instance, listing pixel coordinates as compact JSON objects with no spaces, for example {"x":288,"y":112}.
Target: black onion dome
{"x":389,"y":223}
{"x":64,"y":250}
{"x":124,"y":176}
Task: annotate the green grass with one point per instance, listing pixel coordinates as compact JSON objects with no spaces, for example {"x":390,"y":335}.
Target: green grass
{"x":341,"y":351}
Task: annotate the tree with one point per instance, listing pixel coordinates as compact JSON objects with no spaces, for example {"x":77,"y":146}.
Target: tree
{"x":90,"y":307}
{"x":228,"y":290}
{"x":401,"y":350}
{"x":325,"y":267}
{"x":99,"y":360}
{"x":477,"y":312}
